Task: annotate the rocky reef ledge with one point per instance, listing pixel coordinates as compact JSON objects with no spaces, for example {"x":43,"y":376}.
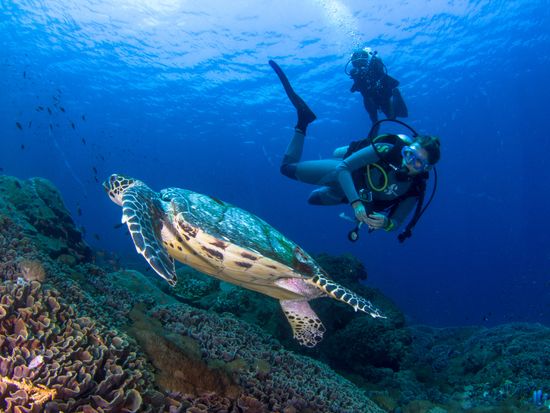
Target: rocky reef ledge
{"x":79,"y":335}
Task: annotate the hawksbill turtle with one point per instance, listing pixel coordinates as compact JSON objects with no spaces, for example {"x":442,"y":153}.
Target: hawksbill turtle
{"x":231,"y":244}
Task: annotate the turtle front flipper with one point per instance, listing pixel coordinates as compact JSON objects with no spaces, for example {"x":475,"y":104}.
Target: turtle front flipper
{"x":306,"y":326}
{"x":340,"y":293}
{"x":144,"y":219}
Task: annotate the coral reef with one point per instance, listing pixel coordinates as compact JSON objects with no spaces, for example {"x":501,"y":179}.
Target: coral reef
{"x":37,"y":208}
{"x":194,"y":286}
{"x":371,"y":344}
{"x":371,"y":348}
{"x":480,"y":366}
{"x":52,"y":359}
{"x":266,"y":371}
{"x":35,"y":395}
{"x":78,"y":337}
{"x":196,"y":352}
{"x":32,"y":270}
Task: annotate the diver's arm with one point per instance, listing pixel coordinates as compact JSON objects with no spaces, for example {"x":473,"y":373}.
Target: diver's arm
{"x":403,"y":210}
{"x":357,"y":160}
{"x":377,"y":68}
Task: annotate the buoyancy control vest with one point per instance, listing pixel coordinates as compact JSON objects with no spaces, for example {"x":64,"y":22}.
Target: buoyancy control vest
{"x":388,"y":149}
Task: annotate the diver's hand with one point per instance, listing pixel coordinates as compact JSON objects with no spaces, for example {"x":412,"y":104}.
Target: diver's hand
{"x":376,"y":221}
{"x":360,"y":212}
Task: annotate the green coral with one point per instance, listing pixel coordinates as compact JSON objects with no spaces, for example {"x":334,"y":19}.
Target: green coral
{"x":193,"y":286}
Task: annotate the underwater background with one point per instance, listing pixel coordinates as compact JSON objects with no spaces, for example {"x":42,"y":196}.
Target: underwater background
{"x":180,"y":94}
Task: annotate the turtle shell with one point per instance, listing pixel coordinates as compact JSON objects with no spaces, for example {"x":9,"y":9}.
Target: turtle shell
{"x":236,"y":226}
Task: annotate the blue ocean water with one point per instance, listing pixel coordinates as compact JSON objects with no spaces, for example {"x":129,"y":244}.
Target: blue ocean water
{"x":179,"y":93}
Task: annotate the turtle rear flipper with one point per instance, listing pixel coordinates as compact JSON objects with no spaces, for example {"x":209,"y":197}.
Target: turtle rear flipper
{"x":307,"y":327}
{"x":144,"y":219}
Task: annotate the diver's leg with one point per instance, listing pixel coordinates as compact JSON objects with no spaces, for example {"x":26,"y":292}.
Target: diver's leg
{"x":372,"y":110}
{"x":318,"y":172}
{"x":386,"y":106}
{"x":398,"y":103}
{"x":293,"y":154}
{"x":305,"y":114}
{"x":327,"y":196}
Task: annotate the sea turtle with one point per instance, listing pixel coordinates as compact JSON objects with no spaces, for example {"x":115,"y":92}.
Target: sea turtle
{"x":228,"y":243}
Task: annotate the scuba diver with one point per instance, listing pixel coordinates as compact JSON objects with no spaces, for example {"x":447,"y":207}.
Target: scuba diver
{"x":382,"y":177}
{"x":379,"y":90}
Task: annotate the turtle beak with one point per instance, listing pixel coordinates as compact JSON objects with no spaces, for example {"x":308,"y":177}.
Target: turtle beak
{"x":109,"y":183}
{"x":108,"y":187}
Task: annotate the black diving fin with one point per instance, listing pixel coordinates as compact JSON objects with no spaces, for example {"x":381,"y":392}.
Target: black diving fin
{"x":305,"y":114}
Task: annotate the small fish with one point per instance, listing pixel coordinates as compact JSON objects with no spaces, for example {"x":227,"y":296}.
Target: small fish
{"x":25,"y":74}
{"x":36,"y":362}
{"x":61,"y":108}
{"x":72,"y":125}
{"x":1,"y":169}
{"x":94,"y":169}
{"x":96,"y":236}
{"x":49,"y":110}
{"x":83,"y":117}
{"x":18,"y":125}
{"x":95,"y":179}
{"x":30,"y":123}
{"x":83,"y":141}
{"x":39,"y":108}
{"x":22,"y":146}
{"x":51,"y":127}
{"x":117,"y":226}
{"x":100,"y":156}
{"x":79,"y":211}
{"x":17,"y":184}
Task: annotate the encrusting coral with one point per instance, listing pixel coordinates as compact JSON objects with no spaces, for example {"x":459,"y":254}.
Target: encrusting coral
{"x":78,"y":365}
{"x":32,"y":270}
{"x":278,"y":379}
{"x":38,"y":394}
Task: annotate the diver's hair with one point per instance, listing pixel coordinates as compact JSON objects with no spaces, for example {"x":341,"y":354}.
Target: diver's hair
{"x":431,"y":145}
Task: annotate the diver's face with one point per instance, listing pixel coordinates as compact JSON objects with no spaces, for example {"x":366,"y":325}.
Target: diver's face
{"x":415,"y":159}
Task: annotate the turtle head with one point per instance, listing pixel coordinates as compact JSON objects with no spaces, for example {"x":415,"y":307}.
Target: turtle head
{"x":115,"y":186}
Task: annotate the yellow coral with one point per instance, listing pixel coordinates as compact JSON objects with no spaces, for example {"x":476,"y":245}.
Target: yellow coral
{"x":32,"y":270}
{"x":39,"y":394}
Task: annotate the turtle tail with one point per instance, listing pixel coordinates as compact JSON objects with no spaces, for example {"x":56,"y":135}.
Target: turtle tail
{"x":340,"y":293}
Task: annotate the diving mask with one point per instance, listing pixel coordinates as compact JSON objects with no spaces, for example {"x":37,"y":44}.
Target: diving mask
{"x":360,"y":60}
{"x":413,"y":158}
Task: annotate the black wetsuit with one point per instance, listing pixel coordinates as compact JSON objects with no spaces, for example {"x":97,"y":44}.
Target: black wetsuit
{"x":379,"y":90}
